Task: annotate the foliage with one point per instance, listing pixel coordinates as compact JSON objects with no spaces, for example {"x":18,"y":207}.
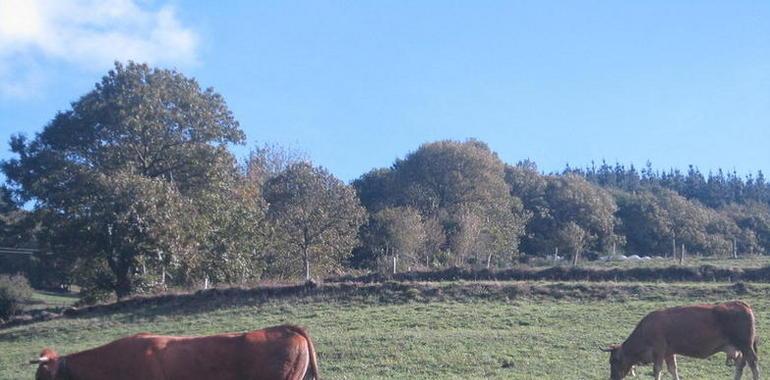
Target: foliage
{"x":753,"y":220}
{"x":315,"y":218}
{"x":646,"y":223}
{"x":716,"y":189}
{"x":569,"y":213}
{"x":131,"y":223}
{"x":115,"y":178}
{"x":14,"y":293}
{"x":232,"y":218}
{"x":459,"y":185}
{"x":397,"y":233}
{"x":134,"y":190}
{"x":15,"y":224}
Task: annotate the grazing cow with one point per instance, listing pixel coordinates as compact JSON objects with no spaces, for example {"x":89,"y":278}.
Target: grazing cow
{"x":281,"y":352}
{"x":697,"y":331}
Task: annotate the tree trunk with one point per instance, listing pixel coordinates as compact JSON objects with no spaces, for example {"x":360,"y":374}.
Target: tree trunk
{"x":575,"y":258}
{"x":673,"y":248}
{"x":307,"y":264}
{"x":489,"y":261}
{"x":121,"y":268}
{"x":122,"y":283}
{"x":681,"y":256}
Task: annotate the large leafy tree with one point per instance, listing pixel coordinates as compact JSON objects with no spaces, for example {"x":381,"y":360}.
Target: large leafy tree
{"x":13,"y":227}
{"x":753,"y":219}
{"x":575,"y":202}
{"x":156,"y":132}
{"x":130,"y":223}
{"x":568,"y":212}
{"x":315,"y":218}
{"x":645,"y":223}
{"x":461,"y":186}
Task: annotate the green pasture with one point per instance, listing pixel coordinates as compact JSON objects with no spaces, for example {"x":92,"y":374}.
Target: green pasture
{"x":532,"y":337}
{"x":743,"y":262}
{"x":44,"y":300}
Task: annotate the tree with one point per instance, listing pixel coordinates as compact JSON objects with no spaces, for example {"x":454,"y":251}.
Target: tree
{"x":155,"y":132}
{"x":461,"y":186}
{"x":315,"y":216}
{"x":14,"y":222}
{"x":16,"y":230}
{"x":269,"y":160}
{"x":687,"y":221}
{"x":231,"y":218}
{"x":644,"y":222}
{"x":557,"y":202}
{"x":377,"y":190}
{"x":129,"y":222}
{"x":574,"y":238}
{"x":527,"y":184}
{"x":397,"y":233}
{"x":449,"y":174}
{"x":753,"y":220}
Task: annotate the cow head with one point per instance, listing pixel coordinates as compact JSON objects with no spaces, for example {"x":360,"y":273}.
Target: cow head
{"x":620,"y":365}
{"x":48,"y":365}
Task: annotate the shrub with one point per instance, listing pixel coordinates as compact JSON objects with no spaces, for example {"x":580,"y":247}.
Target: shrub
{"x":14,"y":292}
{"x":94,"y":295}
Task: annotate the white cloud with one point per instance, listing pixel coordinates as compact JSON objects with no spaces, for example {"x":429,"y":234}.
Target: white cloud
{"x":89,"y":34}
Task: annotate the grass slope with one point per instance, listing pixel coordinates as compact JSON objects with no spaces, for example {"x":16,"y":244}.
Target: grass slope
{"x":376,"y":337}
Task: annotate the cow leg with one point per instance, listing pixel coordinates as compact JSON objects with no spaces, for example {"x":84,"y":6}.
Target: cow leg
{"x":657,"y":366}
{"x":754,"y":370}
{"x":751,"y":358}
{"x":671,"y":365}
{"x":739,"y":364}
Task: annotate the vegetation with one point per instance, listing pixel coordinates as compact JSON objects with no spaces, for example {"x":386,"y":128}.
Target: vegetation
{"x":14,"y":293}
{"x":135,"y":190}
{"x":398,"y":333}
{"x":459,"y":191}
{"x":315,"y":215}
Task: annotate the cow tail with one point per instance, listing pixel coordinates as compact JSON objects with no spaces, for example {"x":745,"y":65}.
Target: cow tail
{"x":312,"y":372}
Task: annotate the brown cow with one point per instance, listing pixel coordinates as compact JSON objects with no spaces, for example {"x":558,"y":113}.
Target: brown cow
{"x":281,"y":352}
{"x":697,"y":331}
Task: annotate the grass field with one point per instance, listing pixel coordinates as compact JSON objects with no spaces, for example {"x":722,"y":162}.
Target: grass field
{"x":374,"y":337}
{"x":694,"y":261}
{"x":43,"y":300}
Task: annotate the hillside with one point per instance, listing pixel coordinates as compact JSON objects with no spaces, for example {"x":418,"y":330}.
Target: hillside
{"x":449,"y":330}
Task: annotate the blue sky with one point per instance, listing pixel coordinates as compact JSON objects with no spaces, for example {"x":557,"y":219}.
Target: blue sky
{"x":356,"y":84}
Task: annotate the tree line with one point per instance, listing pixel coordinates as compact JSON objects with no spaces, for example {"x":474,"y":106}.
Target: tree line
{"x":134,"y":189}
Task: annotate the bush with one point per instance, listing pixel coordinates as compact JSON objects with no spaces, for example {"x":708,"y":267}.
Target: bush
{"x":94,"y":295}
{"x":14,"y":292}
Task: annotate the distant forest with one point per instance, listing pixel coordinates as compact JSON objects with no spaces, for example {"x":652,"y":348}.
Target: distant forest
{"x":135,"y":189}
